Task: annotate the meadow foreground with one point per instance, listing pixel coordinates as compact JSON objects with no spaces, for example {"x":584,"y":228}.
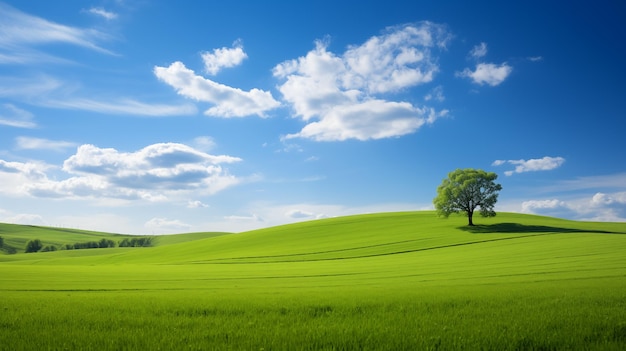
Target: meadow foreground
{"x":387,"y":281}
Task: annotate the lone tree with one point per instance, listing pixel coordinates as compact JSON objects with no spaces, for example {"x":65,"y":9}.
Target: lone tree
{"x":465,"y":190}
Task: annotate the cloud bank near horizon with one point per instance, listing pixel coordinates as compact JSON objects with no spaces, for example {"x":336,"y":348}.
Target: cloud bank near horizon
{"x":158,"y":172}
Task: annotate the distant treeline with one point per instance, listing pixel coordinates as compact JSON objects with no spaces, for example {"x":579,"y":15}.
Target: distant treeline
{"x":37,"y":246}
{"x":137,"y":242}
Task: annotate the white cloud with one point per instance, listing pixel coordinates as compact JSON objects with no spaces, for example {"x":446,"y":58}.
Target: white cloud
{"x":296,"y":214}
{"x":539,"y":164}
{"x":163,"y":225}
{"x":121,"y":106}
{"x":479,"y":51}
{"x":609,"y":200}
{"x":251,"y":218}
{"x":25,"y":219}
{"x":399,"y":58}
{"x":28,"y":88}
{"x":612,"y":181}
{"x":30,"y":169}
{"x":372,"y":119}
{"x":436,"y":94}
{"x":338,"y":92}
{"x":15,"y":117}
{"x":228,"y":101}
{"x":47,"y":91}
{"x":488,"y":73}
{"x":535,"y":206}
{"x":204,"y":143}
{"x":22,"y":33}
{"x":299,"y":214}
{"x":196,"y":204}
{"x":605,"y":207}
{"x":99,"y":11}
{"x":14,"y":176}
{"x":155,"y":173}
{"x":223,"y":57}
{"x":28,"y":143}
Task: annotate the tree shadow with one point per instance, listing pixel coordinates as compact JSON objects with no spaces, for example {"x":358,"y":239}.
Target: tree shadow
{"x":523,"y":228}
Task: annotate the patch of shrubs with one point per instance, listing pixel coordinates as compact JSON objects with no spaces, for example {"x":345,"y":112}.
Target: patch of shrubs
{"x":33,"y":246}
{"x":136,"y":242}
{"x":102,"y":244}
{"x":6,"y":247}
{"x":36,"y":245}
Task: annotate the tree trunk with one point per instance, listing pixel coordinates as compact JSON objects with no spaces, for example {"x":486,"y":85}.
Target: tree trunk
{"x":469,"y":218}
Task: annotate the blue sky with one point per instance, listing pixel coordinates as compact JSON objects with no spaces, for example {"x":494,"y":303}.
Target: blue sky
{"x":152,"y":117}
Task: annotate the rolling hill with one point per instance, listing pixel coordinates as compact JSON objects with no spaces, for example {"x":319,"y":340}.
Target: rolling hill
{"x":377,"y":247}
{"x":384,"y":281}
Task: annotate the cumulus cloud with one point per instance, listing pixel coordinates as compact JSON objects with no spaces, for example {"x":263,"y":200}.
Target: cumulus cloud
{"x":598,"y":207}
{"x":223,"y":58}
{"x":29,"y":143}
{"x":602,"y":199}
{"x":608,"y":207}
{"x":540,"y":164}
{"x":337,"y":94}
{"x":30,"y":170}
{"x":228,"y":101}
{"x":485,"y":73}
{"x":14,"y":176}
{"x":372,"y":119}
{"x":12,"y":116}
{"x":153,"y":173}
{"x":488,"y":73}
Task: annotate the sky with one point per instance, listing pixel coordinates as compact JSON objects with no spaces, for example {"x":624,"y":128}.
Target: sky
{"x":157,"y":117}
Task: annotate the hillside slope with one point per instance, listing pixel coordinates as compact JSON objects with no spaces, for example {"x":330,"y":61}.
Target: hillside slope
{"x":393,"y":281}
{"x":381,"y":249}
{"x":16,"y":236}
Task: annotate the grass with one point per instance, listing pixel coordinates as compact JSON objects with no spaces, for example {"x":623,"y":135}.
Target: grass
{"x":389,"y":281}
{"x":16,"y":236}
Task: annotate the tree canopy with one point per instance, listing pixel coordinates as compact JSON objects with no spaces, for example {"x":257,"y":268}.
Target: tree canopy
{"x":465,"y":190}
{"x":34,"y":246}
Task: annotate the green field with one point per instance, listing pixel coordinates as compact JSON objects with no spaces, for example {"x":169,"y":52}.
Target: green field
{"x":388,"y":281}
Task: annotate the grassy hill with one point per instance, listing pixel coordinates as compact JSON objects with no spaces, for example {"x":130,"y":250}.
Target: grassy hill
{"x":16,"y":236}
{"x":405,"y":280}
